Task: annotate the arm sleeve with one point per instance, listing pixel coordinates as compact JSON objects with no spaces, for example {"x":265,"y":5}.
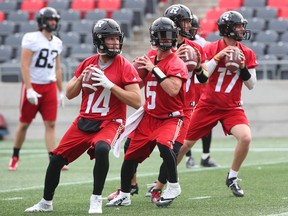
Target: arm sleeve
{"x":252,"y":81}
{"x":211,"y":65}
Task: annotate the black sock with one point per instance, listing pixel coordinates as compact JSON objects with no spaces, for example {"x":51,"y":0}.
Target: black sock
{"x":101,"y":166}
{"x":127,"y":172}
{"x":16,"y":152}
{"x":169,"y":159}
{"x":206,"y":143}
{"x":53,"y":175}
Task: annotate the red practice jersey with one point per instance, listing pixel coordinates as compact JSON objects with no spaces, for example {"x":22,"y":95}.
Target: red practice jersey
{"x":102,"y":104}
{"x":223,"y":90}
{"x":158,"y":103}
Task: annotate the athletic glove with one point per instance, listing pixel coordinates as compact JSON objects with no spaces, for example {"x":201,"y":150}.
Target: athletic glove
{"x":32,"y":96}
{"x":61,"y":99}
{"x":100,"y":79}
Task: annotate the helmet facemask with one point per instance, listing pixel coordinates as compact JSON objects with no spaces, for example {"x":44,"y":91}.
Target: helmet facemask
{"x":163,"y":34}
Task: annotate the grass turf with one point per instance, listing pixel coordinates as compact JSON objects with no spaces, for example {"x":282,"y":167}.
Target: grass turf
{"x":204,"y":192}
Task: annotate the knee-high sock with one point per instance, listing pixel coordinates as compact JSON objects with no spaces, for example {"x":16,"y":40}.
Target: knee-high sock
{"x":53,"y":175}
{"x":101,"y":166}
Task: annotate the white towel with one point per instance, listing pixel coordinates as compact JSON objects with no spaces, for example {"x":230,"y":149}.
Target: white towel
{"x":131,"y":123}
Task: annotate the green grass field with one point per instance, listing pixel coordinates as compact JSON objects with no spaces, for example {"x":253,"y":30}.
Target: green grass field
{"x":263,"y":174}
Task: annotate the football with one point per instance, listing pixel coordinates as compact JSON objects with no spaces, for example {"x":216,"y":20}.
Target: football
{"x":233,"y":61}
{"x":141,"y":71}
{"x":87,"y":83}
{"x":191,"y":58}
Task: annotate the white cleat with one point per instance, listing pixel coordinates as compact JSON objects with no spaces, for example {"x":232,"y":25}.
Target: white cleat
{"x":95,"y":205}
{"x":122,"y":199}
{"x":40,"y":207}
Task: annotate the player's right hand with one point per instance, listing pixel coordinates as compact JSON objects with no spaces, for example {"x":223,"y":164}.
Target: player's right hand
{"x":32,"y":96}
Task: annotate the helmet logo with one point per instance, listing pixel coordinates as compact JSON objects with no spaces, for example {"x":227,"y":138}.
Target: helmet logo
{"x":99,"y":23}
{"x":174,"y":10}
{"x":226,"y":17}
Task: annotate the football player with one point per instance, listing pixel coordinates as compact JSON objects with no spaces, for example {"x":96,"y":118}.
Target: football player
{"x":165,"y":92}
{"x":102,"y":113}
{"x":42,"y":76}
{"x":206,"y":160}
{"x":182,"y":17}
{"x":221,"y":98}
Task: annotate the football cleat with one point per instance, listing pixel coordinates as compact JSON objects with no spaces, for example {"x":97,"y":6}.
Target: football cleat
{"x":190,"y":163}
{"x":208,"y":162}
{"x":122,"y":199}
{"x":40,"y":207}
{"x":232,"y":183}
{"x":172,"y":191}
{"x":13,"y":164}
{"x":134,"y":190}
{"x":150,"y":189}
{"x":95,"y":205}
{"x":155,"y":195}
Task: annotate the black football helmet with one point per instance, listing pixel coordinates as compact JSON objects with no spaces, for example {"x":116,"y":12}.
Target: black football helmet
{"x":43,"y":15}
{"x":163,"y":28}
{"x":178,"y":13}
{"x":104,"y":28}
{"x":227,"y":26}
{"x":195,"y":22}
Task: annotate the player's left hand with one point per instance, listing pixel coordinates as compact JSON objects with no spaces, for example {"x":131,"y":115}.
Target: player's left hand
{"x":242,"y":57}
{"x":100,"y":79}
{"x":61,"y":99}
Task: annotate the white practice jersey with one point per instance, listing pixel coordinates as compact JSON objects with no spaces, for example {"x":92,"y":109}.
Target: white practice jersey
{"x":42,"y":67}
{"x":199,"y":40}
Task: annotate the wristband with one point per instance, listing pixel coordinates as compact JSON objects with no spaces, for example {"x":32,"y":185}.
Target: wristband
{"x":216,"y":58}
{"x":245,"y":74}
{"x":198,"y":70}
{"x":202,"y":77}
{"x":160,"y":76}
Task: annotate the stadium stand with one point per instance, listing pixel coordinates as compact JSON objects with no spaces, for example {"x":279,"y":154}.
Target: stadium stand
{"x":109,"y":6}
{"x":125,"y":18}
{"x":247,"y":12}
{"x":6,"y":53}
{"x":7,"y":6}
{"x":95,"y":15}
{"x":32,"y":7}
{"x":214,"y":36}
{"x":83,"y":6}
{"x":138,"y":8}
{"x":59,"y":4}
{"x":278,"y":24}
{"x":283,"y":68}
{"x":228,"y":4}
{"x":254,"y":3}
{"x":18,"y":16}
{"x":267,"y":37}
{"x":2,"y":16}
{"x":266,"y":13}
{"x":263,"y":16}
{"x":267,"y":68}
{"x":283,"y":12}
{"x":277,"y":3}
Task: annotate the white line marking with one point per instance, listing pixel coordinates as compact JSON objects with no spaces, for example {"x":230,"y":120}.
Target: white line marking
{"x":281,"y":214}
{"x":13,"y":198}
{"x":200,"y":169}
{"x":200,"y":198}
